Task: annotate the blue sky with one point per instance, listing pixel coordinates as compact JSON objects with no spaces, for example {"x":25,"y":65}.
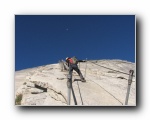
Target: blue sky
{"x":46,"y":39}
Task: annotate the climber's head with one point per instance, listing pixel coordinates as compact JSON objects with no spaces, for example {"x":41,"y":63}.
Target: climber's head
{"x":67,"y":58}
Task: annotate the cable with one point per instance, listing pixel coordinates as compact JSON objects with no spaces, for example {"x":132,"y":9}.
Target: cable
{"x":107,"y":91}
{"x":110,"y":68}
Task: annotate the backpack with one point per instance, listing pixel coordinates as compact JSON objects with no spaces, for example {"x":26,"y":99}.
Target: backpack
{"x":73,"y":60}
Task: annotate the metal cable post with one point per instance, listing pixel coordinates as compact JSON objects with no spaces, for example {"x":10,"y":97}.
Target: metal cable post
{"x":61,"y":63}
{"x":85,"y":68}
{"x":129,"y":86}
{"x":69,"y":85}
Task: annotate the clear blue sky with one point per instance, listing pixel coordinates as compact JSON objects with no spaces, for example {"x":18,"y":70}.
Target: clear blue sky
{"x":45,"y":39}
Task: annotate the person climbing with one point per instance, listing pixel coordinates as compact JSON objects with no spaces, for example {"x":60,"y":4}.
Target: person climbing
{"x":72,"y":64}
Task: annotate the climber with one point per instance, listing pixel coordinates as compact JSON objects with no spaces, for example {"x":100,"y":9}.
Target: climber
{"x":72,"y":64}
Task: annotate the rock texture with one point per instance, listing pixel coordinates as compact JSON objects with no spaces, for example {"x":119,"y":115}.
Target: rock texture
{"x":47,"y":85}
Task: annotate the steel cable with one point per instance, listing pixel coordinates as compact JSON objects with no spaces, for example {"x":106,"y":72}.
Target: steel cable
{"x":110,"y":68}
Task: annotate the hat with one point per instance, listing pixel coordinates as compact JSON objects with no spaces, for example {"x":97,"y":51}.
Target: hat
{"x":67,"y":58}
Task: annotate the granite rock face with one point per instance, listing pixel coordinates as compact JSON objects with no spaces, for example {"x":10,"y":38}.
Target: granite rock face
{"x":47,"y":85}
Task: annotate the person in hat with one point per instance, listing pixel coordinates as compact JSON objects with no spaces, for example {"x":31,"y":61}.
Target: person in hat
{"x":72,"y":64}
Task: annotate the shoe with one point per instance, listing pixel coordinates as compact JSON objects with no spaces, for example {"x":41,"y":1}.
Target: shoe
{"x":83,"y":80}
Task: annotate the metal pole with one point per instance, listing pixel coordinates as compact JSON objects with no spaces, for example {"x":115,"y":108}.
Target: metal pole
{"x":65,"y":66}
{"x":129,"y":86}
{"x":69,"y":85}
{"x":69,"y":96}
{"x":85,"y":68}
{"x":61,"y":64}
